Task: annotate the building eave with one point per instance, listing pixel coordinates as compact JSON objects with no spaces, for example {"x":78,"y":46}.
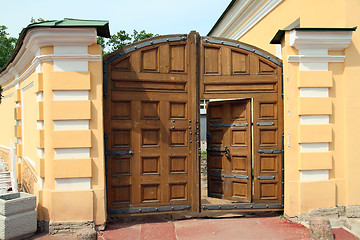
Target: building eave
{"x":101,"y":26}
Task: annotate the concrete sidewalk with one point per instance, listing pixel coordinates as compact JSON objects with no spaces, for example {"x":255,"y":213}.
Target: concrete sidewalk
{"x":249,"y":228}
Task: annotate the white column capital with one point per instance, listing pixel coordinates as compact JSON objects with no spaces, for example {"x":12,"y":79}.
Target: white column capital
{"x":320,"y":39}
{"x":314,"y":45}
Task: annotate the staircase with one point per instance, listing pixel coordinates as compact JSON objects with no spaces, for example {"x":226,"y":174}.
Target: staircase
{"x":5,"y":178}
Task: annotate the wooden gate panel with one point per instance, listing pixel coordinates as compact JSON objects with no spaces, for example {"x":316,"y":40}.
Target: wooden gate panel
{"x":268,"y":131}
{"x":233,"y":70}
{"x":151,"y":111}
{"x":248,"y":73}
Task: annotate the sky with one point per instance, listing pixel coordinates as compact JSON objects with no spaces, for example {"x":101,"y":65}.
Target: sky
{"x":155,"y":16}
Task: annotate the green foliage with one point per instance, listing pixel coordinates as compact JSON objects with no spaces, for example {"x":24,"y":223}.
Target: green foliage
{"x":33,"y":20}
{"x":203,"y":154}
{"x":1,"y":90}
{"x":118,"y":40}
{"x":137,"y":36}
{"x":121,"y":39}
{"x":7,"y":45}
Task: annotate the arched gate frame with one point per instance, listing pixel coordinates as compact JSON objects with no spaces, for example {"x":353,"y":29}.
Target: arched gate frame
{"x":152,"y":91}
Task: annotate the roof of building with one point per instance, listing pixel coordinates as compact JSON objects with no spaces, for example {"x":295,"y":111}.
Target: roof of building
{"x":221,"y":17}
{"x":102,"y":28}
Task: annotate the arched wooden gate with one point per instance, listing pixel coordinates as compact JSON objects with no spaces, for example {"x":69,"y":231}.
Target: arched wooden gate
{"x":152,"y":91}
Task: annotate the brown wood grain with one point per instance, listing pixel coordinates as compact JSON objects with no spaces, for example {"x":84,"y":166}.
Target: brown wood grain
{"x":152,"y":108}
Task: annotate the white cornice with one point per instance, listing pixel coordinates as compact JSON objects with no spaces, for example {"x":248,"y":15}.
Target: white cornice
{"x":40,"y":37}
{"x":259,"y":14}
{"x":51,"y":57}
{"x":314,"y":46}
{"x":329,"y":40}
{"x":235,"y":17}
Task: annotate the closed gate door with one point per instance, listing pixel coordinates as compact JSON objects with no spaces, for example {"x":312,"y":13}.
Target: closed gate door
{"x":150,"y":124}
{"x":229,"y":150}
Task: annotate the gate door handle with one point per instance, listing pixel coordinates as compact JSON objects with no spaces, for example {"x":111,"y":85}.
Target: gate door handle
{"x":127,"y":152}
{"x":226,"y":150}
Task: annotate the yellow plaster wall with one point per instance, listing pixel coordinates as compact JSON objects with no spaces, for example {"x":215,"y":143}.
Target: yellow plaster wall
{"x":72,"y":139}
{"x":315,"y":160}
{"x":7,"y":117}
{"x":29,"y":107}
{"x":291,"y":121}
{"x":317,"y":194}
{"x":71,"y":206}
{"x":322,"y":13}
{"x":351,"y":86}
{"x":72,"y":168}
{"x":97,"y":138}
{"x":70,"y":110}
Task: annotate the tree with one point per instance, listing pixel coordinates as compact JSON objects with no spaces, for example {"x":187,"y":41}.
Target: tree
{"x":121,"y":39}
{"x":34,"y":20}
{"x":1,"y":90}
{"x":7,"y":45}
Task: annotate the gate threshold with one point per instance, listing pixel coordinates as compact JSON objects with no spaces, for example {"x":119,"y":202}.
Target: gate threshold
{"x":247,"y":207}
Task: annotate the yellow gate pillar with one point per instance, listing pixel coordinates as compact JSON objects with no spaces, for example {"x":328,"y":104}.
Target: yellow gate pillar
{"x":314,"y":121}
{"x":54,"y":81}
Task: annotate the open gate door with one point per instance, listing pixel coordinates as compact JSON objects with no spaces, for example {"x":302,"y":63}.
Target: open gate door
{"x":229,"y":150}
{"x":151,"y":117}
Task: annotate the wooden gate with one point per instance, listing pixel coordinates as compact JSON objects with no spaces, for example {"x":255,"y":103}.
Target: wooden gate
{"x":151,"y":106}
{"x":152,"y":91}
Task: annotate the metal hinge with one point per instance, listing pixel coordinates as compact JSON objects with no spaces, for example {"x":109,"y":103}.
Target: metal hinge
{"x":126,"y":152}
{"x":266,"y":177}
{"x":265,"y":124}
{"x":229,"y":125}
{"x":266,"y":151}
{"x":229,"y":176}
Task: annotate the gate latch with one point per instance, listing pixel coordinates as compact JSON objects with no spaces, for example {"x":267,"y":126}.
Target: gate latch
{"x":226,"y":150}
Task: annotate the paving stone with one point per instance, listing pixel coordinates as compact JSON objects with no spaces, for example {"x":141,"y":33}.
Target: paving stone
{"x":86,"y":234}
{"x":320,"y":229}
{"x":352,"y":211}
